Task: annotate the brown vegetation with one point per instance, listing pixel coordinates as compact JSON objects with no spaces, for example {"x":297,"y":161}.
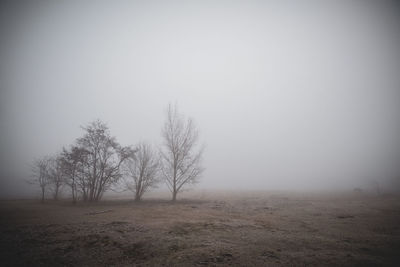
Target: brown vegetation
{"x":224,"y":229}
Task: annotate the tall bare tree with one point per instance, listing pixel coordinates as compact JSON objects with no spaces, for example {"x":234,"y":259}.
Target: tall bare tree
{"x":102,"y":162}
{"x":181,"y":156}
{"x":141,"y":170}
{"x":40,"y":170}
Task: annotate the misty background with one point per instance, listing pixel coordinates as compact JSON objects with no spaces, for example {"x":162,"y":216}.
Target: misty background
{"x":288,"y":95}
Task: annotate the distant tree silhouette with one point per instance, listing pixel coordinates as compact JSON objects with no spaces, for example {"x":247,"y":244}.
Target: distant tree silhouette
{"x":73,"y":162}
{"x":40,"y":170}
{"x":56,"y":175}
{"x":141,"y":170}
{"x":100,"y":163}
{"x":181,"y":159}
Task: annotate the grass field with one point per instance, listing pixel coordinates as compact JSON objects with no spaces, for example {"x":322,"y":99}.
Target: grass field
{"x":211,"y":229}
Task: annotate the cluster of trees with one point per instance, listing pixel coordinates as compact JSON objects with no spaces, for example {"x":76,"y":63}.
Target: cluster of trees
{"x":96,"y":162}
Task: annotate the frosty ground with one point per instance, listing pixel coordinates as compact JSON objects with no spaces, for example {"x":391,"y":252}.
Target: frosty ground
{"x":216,"y":228}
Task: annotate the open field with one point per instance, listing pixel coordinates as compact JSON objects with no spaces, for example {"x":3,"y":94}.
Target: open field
{"x":214,"y":229}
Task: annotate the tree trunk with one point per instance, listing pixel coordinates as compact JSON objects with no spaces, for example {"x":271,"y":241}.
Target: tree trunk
{"x":73,"y":194}
{"x":57,"y":189}
{"x":138,"y":195}
{"x":174,"y":196}
{"x":42,"y":194}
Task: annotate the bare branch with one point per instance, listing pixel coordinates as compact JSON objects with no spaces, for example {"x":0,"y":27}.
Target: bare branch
{"x":181,"y":159}
{"x":141,"y":170}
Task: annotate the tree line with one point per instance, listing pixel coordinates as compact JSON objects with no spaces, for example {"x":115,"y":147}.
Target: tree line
{"x":96,"y":162}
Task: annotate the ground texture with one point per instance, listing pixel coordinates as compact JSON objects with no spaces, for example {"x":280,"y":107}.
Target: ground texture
{"x":219,"y":229}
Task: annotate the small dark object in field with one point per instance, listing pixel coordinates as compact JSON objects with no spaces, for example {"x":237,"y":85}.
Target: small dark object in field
{"x":98,"y":212}
{"x":344,"y":216}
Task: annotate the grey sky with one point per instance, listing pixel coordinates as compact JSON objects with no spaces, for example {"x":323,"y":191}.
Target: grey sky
{"x":287,"y":94}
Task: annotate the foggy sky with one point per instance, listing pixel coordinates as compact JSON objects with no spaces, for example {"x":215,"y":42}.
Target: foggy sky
{"x":287,"y":94}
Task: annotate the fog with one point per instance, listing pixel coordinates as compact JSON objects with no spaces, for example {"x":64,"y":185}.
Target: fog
{"x":287,"y":95}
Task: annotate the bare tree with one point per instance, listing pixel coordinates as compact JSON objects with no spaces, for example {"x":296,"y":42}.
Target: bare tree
{"x":141,"y":170}
{"x":55,"y":175}
{"x":40,"y":171}
{"x":102,"y":161}
{"x":73,"y":162}
{"x":181,"y":157}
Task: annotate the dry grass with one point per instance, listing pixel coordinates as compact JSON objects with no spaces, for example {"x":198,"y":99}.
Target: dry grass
{"x":209,"y":229}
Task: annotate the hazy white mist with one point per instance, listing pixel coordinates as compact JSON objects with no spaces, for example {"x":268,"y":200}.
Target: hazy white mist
{"x":287,"y":94}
